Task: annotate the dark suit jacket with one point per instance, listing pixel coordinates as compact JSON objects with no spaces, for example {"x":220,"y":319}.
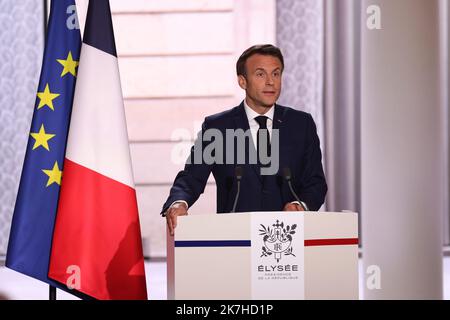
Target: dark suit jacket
{"x":299,"y":150}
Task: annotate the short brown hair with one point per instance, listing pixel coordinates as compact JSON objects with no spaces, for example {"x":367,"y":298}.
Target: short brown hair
{"x":264,"y":49}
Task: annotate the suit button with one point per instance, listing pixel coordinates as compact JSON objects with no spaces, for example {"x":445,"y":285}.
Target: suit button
{"x":264,"y":191}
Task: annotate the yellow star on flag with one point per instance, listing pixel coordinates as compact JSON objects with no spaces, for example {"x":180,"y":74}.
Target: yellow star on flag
{"x":69,"y":65}
{"x":46,"y":98}
{"x":41,"y":138}
{"x":54,"y":175}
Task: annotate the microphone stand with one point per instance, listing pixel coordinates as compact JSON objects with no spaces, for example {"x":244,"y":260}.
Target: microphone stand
{"x":287,"y":176}
{"x":238,"y":173}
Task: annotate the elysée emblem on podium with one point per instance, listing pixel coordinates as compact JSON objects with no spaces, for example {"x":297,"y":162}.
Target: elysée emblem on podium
{"x":277,"y":240}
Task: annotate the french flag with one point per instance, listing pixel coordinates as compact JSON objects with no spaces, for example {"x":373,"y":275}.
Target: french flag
{"x":97,"y":247}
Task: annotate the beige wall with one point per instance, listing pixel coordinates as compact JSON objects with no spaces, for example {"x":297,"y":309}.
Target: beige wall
{"x":177,"y":63}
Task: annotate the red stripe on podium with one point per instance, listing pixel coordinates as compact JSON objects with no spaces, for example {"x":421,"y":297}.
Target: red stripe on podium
{"x":331,"y":242}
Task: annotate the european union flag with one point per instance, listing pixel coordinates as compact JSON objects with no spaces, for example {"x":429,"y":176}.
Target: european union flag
{"x":31,"y":233}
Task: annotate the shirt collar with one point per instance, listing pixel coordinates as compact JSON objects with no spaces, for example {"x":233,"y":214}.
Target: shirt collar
{"x":251,"y":114}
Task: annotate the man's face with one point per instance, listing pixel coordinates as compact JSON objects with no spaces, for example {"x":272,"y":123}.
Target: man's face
{"x":263,"y":81}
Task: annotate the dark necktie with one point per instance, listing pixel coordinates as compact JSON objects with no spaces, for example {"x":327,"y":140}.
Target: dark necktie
{"x":262,"y":131}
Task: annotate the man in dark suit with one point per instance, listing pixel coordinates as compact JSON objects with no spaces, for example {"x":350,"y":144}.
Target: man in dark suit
{"x":282,"y":135}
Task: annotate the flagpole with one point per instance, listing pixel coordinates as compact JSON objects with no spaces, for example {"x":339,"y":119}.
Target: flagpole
{"x":45,"y":20}
{"x":52,"y":293}
{"x":51,"y":289}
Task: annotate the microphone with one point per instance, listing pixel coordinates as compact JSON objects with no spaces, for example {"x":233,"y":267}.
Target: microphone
{"x":238,"y":171}
{"x":287,"y":176}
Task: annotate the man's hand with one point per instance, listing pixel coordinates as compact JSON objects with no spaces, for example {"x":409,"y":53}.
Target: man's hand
{"x":177,"y":209}
{"x":293,"y":207}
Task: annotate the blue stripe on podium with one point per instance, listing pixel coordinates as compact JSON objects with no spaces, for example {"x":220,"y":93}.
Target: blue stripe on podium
{"x":213,"y":243}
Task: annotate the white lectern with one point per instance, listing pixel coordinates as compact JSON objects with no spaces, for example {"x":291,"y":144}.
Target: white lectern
{"x":264,"y":255}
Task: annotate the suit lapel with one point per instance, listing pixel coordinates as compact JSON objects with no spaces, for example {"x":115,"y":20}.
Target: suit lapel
{"x":240,"y":118}
{"x":279,"y":120}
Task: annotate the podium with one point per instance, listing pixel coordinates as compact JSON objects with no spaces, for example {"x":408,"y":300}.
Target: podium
{"x":264,"y":255}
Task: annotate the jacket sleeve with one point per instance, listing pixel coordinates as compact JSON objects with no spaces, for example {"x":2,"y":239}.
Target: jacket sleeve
{"x":313,"y":186}
{"x":190,"y":183}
